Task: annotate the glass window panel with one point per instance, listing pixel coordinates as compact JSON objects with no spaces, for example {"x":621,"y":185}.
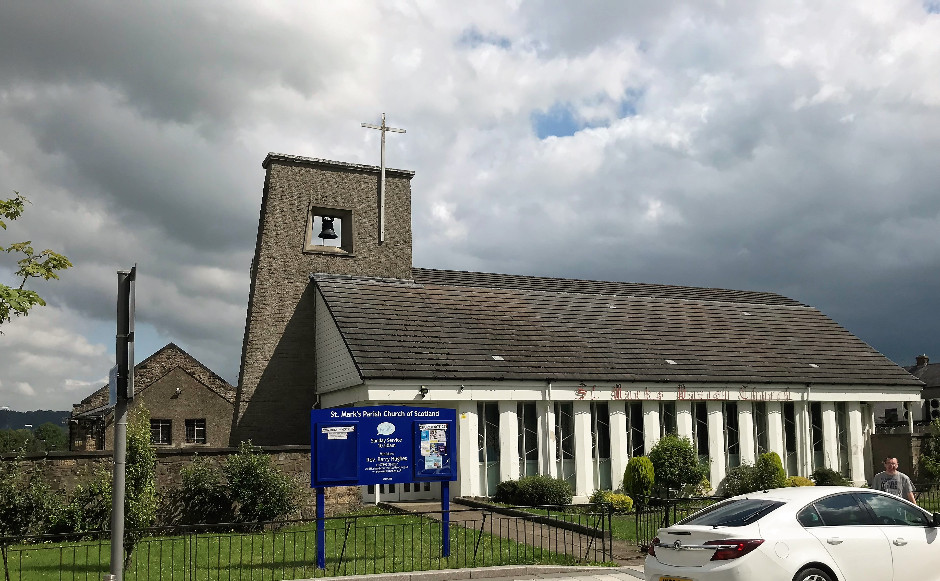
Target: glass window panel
{"x":842,"y":510}
{"x":732,"y":435}
{"x":891,"y":511}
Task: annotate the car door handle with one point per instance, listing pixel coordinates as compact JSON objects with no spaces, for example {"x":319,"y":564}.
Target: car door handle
{"x":834,"y":541}
{"x":900,"y":542}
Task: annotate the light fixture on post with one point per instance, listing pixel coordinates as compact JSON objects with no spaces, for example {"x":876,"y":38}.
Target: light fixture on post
{"x":326,"y":232}
{"x":422,"y":391}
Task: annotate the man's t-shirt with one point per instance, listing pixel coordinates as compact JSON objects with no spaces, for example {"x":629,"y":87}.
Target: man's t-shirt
{"x":897,"y":484}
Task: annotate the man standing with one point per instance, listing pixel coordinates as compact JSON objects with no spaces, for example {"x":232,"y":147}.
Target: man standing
{"x":894,"y":482}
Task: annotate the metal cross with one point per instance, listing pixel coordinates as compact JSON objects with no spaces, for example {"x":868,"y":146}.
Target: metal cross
{"x":383,"y":128}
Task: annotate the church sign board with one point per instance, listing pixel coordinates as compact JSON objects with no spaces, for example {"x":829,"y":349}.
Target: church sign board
{"x":382,"y":445}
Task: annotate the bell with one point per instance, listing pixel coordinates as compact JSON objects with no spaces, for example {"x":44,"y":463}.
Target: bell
{"x":327,"y":232}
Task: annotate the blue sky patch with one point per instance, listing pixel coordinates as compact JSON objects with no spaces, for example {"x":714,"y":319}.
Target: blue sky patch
{"x":559,"y":121}
{"x":472,"y":38}
{"x":932,"y":6}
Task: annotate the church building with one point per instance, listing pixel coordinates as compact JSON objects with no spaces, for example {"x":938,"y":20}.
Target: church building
{"x":561,"y":377}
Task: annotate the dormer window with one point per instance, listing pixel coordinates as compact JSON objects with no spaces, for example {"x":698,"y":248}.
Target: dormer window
{"x":329,"y":230}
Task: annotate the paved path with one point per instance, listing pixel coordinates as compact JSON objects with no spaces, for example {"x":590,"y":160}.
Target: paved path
{"x":532,"y":533}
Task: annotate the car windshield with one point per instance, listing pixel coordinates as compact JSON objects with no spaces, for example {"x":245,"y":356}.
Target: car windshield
{"x":732,"y":513}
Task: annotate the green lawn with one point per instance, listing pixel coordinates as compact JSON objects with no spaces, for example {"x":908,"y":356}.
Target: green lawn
{"x":375,"y":544}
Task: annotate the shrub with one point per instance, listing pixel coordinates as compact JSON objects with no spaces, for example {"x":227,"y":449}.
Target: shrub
{"x":675,"y":462}
{"x":88,"y":507}
{"x":27,"y":505}
{"x":799,"y":481}
{"x":703,"y":488}
{"x":258,"y":489}
{"x":140,"y":488}
{"x":828,"y":477}
{"x":507,"y":492}
{"x":614,"y":501}
{"x":769,"y":472}
{"x":639,"y":477}
{"x":928,"y":465}
{"x":539,"y":490}
{"x":739,"y":480}
{"x":203,"y":496}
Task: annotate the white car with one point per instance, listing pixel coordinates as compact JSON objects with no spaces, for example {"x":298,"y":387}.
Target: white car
{"x":812,"y":533}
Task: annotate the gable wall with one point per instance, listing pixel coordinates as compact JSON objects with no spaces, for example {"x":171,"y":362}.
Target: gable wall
{"x":335,"y":367}
{"x":195,"y":401}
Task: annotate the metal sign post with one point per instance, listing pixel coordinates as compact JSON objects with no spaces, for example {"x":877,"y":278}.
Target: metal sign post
{"x":124,"y":355}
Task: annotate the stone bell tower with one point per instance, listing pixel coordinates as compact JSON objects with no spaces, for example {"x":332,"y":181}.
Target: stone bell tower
{"x":277,"y":379}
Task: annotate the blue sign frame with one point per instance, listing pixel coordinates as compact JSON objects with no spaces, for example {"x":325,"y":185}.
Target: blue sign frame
{"x":382,"y":445}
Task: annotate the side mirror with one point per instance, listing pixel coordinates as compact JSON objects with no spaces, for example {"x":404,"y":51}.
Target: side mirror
{"x":935,"y":522}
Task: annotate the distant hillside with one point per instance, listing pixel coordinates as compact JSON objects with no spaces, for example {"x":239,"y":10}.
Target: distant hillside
{"x":12,"y":420}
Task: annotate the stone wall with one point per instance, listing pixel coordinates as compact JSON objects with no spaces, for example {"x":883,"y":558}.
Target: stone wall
{"x":63,"y":470}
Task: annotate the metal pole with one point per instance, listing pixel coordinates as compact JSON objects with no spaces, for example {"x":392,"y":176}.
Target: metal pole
{"x":124,"y":356}
{"x":382,"y":186}
{"x":321,"y":528}
{"x":445,"y":517}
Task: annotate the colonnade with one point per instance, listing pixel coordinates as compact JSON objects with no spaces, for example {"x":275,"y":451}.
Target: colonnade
{"x":838,"y":443}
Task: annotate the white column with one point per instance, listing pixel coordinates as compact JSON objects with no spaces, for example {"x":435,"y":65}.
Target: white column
{"x":856,"y":437}
{"x":583,"y":463}
{"x":746,"y":432}
{"x":868,"y":428}
{"x":804,"y":438}
{"x":619,"y":455}
{"x":775,"y":442}
{"x":547,"y":464}
{"x":468,"y":461}
{"x":651,"y":427}
{"x":508,"y":441}
{"x":684,"y":419}
{"x":716,"y":442}
{"x":830,"y":435}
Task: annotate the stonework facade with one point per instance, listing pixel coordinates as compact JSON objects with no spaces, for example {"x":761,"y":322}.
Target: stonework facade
{"x":174,"y":388}
{"x":276,"y":387}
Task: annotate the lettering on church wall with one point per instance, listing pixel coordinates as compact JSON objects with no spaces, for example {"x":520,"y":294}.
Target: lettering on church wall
{"x":682,"y":393}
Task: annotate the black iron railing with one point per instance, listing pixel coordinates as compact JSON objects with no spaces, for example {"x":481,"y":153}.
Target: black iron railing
{"x":355,"y":544}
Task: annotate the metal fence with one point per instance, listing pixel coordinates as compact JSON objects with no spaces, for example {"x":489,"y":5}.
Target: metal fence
{"x":357,"y":544}
{"x":662,"y":512}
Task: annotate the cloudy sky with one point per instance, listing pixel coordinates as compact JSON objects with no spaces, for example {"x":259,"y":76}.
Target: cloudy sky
{"x":781,"y":146}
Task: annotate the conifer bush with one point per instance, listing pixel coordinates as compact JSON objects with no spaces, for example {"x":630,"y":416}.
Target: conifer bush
{"x":639,"y":477}
{"x":769,"y":472}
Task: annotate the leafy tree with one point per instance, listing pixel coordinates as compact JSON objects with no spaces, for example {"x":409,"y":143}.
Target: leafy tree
{"x":51,"y":437}
{"x":17,"y":301}
{"x":675,"y":462}
{"x":14,"y":441}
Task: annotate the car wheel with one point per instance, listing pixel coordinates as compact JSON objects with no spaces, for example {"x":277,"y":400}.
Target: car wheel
{"x":812,"y":574}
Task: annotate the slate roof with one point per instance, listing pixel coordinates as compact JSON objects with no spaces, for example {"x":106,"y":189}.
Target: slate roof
{"x":450,"y":325}
{"x":151,"y":369}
